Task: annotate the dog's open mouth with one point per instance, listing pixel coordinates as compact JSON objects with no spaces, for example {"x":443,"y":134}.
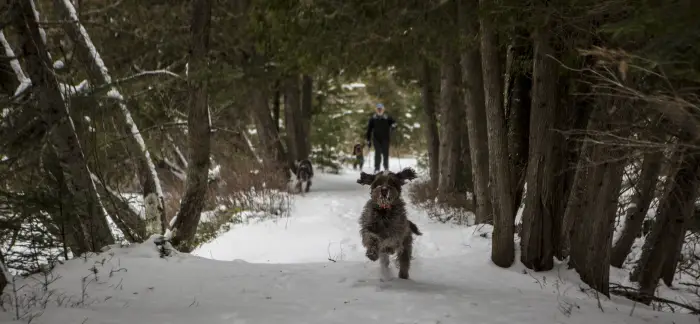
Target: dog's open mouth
{"x":383,"y":203}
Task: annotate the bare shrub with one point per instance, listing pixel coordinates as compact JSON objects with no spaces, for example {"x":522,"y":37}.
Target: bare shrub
{"x":28,"y":296}
{"x":29,"y":240}
{"x":688,"y":272}
{"x":246,"y":185}
{"x":454,"y":208}
{"x":244,"y":191}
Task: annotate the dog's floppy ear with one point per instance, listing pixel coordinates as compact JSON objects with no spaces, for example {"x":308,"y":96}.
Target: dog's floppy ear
{"x":365,"y":178}
{"x":407,"y":174}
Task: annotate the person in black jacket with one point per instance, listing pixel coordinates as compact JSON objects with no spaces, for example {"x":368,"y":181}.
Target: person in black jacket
{"x":379,"y":131}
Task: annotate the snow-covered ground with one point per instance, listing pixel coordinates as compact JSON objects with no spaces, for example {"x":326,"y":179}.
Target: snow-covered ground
{"x":310,"y":268}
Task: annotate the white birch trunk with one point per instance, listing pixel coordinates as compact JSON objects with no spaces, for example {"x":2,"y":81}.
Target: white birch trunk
{"x":153,"y":197}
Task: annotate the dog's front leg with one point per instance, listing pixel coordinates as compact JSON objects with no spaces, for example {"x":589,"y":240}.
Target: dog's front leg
{"x":308,"y":185}
{"x":371,"y":242}
{"x":384,"y":270}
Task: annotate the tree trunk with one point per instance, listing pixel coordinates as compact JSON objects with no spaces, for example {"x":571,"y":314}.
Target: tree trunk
{"x":673,"y":256}
{"x":538,"y":232}
{"x":292,"y":111}
{"x":579,"y":149}
{"x":98,"y":74}
{"x":576,"y":116}
{"x":645,"y":190}
{"x":430,"y":118}
{"x":465,"y":181}
{"x":55,"y":113}
{"x":443,"y":108}
{"x":298,"y":96}
{"x":577,"y":198}
{"x":675,"y":210}
{"x":5,"y":277}
{"x":66,"y":220}
{"x":64,"y":225}
{"x":476,"y":116}
{"x":595,"y":233}
{"x":518,"y":103}
{"x":592,"y":207}
{"x":276,"y":104}
{"x":274,"y":155}
{"x":20,"y":126}
{"x":198,"y":130}
{"x":503,"y":246}
{"x":304,"y":140}
{"x":451,"y":123}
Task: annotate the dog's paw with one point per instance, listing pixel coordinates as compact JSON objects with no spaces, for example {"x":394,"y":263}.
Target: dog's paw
{"x":372,"y":255}
{"x":403,"y":274}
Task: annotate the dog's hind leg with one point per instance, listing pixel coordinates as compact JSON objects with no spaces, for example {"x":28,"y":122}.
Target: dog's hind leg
{"x":308,"y":185}
{"x":404,"y":257}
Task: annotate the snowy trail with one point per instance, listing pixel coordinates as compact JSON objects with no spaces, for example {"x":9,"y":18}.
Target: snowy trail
{"x":323,"y":225}
{"x":281,"y":274}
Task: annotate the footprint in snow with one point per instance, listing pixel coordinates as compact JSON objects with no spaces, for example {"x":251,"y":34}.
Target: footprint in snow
{"x":378,"y":284}
{"x":233,"y":316}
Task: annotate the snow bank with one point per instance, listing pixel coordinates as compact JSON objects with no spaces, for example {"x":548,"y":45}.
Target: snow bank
{"x":135,"y":285}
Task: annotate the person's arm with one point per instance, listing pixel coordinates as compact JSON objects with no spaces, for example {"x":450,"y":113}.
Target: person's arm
{"x":370,"y":128}
{"x":392,"y":123}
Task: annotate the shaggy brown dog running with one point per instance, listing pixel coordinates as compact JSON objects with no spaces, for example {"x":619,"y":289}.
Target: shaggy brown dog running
{"x":304,"y":174}
{"x":384,"y":226}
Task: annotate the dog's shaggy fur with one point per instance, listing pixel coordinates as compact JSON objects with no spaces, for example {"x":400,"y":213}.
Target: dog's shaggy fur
{"x":384,"y":225}
{"x":304,"y":174}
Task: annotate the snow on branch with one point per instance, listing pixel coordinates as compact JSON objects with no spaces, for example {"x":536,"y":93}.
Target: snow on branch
{"x":112,"y":192}
{"x":73,"y":17}
{"x":14,"y":63}
{"x":176,"y":170}
{"x":42,"y":32}
{"x":183,"y":159}
{"x":109,"y":87}
{"x":24,"y":82}
{"x":65,"y":89}
{"x":84,"y":87}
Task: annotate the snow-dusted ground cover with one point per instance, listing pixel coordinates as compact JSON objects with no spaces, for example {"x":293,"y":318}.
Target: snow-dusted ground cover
{"x":309,"y":268}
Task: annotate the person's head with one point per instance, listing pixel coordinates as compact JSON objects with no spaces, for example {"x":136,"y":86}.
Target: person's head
{"x":379,"y":109}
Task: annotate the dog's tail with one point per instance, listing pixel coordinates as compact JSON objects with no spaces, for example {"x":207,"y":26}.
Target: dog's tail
{"x":414,"y":228}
